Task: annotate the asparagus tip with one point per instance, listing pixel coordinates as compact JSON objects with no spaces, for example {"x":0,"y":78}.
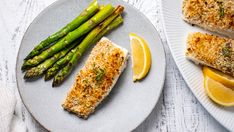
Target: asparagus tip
{"x":57,"y":81}
{"x":55,"y":84}
{"x":24,"y":67}
{"x":47,"y":77}
{"x":27,"y":76}
{"x":33,"y":73}
{"x":27,"y":57}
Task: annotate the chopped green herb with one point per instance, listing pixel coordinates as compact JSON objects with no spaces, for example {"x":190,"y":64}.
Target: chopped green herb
{"x":99,"y":74}
{"x":94,"y":64}
{"x":227,"y":50}
{"x":221,"y":9}
{"x":85,"y":81}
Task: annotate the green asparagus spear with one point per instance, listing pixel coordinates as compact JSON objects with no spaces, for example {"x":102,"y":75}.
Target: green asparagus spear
{"x":84,"y":16}
{"x":84,"y":45}
{"x":70,"y":37}
{"x":40,"y":69}
{"x":50,"y":73}
{"x":115,"y":23}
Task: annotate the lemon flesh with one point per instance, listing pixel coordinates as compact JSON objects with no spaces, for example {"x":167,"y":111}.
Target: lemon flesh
{"x":141,"y":57}
{"x":219,"y":93}
{"x":219,"y":76}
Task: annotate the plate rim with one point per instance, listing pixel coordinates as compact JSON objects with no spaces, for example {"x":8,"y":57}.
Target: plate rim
{"x":180,"y":70}
{"x":121,"y":1}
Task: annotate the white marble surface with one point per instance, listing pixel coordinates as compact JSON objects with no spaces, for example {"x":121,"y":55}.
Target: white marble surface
{"x":177,"y":109}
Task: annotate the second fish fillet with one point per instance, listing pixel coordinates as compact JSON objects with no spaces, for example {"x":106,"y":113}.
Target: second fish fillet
{"x":211,"y":50}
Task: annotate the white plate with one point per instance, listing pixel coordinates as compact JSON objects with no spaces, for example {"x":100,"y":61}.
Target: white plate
{"x":128,"y":103}
{"x":176,"y":32}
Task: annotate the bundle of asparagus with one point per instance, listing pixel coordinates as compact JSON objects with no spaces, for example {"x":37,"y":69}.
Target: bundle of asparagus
{"x":50,"y":57}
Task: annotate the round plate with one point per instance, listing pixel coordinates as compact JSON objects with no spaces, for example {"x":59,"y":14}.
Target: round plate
{"x":128,"y":103}
{"x":176,"y":32}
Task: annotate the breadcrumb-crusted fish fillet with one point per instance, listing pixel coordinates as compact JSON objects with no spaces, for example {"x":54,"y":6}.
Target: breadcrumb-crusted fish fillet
{"x":96,"y":79}
{"x":213,"y":15}
{"x":211,"y":50}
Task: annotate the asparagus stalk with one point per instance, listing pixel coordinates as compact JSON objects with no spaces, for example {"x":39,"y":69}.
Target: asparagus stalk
{"x":40,"y":69}
{"x":84,"y":45}
{"x":115,"y":23}
{"x":50,"y":73}
{"x":70,"y":37}
{"x":84,"y":16}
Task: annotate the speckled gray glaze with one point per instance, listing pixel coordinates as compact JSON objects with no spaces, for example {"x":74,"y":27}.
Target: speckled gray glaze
{"x":128,"y":103}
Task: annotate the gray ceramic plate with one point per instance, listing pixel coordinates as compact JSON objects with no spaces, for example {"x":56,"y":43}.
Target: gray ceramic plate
{"x":127,"y":105}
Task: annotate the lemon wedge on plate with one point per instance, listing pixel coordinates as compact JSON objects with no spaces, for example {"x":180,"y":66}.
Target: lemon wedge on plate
{"x":219,"y":76}
{"x":141,"y":57}
{"x":215,"y":84}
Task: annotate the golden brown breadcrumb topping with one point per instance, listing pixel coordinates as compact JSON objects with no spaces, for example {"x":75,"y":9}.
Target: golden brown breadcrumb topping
{"x":95,"y":79}
{"x":213,"y":13}
{"x":212,"y":50}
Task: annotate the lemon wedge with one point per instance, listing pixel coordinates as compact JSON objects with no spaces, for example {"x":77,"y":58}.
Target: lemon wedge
{"x":219,"y":76}
{"x":219,"y":93}
{"x":141,"y":57}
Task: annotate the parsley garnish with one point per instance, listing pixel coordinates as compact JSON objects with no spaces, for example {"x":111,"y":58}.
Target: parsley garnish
{"x":100,"y":74}
{"x":227,"y":50}
{"x":221,"y":9}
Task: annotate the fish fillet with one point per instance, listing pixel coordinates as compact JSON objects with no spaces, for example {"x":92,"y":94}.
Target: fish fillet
{"x":96,"y":79}
{"x":211,"y":50}
{"x":213,"y":15}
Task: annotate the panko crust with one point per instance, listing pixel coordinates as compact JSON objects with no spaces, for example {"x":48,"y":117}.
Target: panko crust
{"x":96,"y":79}
{"x":211,"y":50}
